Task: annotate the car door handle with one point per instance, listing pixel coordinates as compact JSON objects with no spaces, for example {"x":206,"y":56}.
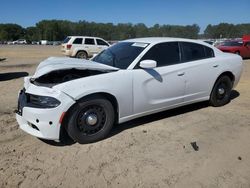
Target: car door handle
{"x":215,"y":66}
{"x":180,"y":73}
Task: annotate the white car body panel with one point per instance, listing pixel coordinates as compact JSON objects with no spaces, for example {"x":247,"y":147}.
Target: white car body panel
{"x":138,"y":92}
{"x":165,"y":80}
{"x":98,"y":85}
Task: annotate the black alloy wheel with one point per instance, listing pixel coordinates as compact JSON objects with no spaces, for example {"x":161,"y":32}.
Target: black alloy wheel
{"x":221,"y":92}
{"x":90,"y":120}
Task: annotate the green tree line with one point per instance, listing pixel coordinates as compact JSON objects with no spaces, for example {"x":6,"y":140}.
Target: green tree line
{"x":57,"y":30}
{"x":225,"y":30}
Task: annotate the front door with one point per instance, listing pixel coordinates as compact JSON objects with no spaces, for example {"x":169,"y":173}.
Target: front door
{"x":157,"y":88}
{"x":163,"y":86}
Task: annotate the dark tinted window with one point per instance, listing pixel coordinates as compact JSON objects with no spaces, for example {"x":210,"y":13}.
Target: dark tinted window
{"x":101,"y":42}
{"x":232,"y":43}
{"x":193,"y":51}
{"x":164,"y":54}
{"x":66,"y":40}
{"x":209,"y":52}
{"x":78,"y":41}
{"x":89,"y":41}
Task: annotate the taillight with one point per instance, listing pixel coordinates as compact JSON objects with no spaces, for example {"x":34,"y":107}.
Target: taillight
{"x":68,"y":46}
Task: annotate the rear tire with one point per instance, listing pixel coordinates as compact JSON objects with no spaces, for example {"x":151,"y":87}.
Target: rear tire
{"x":220,"y":94}
{"x":81,"y":55}
{"x":90,"y":120}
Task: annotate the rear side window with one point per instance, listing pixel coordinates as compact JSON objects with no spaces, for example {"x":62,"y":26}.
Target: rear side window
{"x":209,"y":52}
{"x":78,"y":41}
{"x":89,"y":41}
{"x":164,"y":54}
{"x":193,"y":51}
{"x":66,"y":40}
{"x":101,"y":42}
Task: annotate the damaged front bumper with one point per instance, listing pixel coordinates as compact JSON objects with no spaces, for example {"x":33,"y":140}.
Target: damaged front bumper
{"x":41,"y":122}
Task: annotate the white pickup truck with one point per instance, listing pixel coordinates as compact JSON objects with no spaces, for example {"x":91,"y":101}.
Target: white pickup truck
{"x":83,"y":47}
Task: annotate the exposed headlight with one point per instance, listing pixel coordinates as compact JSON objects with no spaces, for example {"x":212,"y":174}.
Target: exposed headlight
{"x":43,"y":101}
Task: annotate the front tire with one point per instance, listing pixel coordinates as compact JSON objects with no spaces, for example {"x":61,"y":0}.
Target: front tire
{"x":220,"y":94}
{"x":90,"y":120}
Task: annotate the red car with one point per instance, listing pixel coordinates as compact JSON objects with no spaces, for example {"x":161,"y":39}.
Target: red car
{"x":241,"y":48}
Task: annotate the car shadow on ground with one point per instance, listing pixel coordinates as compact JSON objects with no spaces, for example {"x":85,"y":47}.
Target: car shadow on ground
{"x":118,"y":128}
{"x":2,"y":59}
{"x":12,"y":75}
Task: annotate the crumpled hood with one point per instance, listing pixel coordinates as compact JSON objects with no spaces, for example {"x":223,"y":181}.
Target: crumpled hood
{"x":64,"y":63}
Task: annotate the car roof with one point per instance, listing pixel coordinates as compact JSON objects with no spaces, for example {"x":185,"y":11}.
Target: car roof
{"x":84,"y":37}
{"x":155,"y":40}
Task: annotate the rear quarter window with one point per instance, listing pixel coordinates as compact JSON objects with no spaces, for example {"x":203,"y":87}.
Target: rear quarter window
{"x":209,"y":52}
{"x":101,"y":42}
{"x":66,"y":40}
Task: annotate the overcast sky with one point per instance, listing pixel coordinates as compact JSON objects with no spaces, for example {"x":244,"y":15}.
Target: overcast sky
{"x":150,"y":12}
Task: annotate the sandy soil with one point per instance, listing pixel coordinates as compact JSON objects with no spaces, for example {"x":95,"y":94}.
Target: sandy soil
{"x":153,"y":151}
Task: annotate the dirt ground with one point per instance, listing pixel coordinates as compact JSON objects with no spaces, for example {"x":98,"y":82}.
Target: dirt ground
{"x":152,"y":151}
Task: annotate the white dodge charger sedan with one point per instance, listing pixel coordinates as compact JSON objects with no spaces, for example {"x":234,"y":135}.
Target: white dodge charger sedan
{"x":130,"y":79}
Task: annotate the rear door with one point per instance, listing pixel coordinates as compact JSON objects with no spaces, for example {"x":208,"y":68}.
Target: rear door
{"x":90,"y":46}
{"x":201,"y":69}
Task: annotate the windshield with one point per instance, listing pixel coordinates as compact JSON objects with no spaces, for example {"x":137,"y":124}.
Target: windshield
{"x":66,"y":40}
{"x":120,"y":55}
{"x":232,"y":43}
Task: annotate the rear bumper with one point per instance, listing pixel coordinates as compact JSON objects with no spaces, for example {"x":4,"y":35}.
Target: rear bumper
{"x":66,"y":52}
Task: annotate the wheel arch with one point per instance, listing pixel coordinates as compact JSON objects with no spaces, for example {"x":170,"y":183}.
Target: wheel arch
{"x":81,"y":50}
{"x":226,"y":73}
{"x":105,"y":95}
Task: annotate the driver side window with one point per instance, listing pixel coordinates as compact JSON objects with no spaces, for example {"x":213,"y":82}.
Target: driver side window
{"x":164,"y":54}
